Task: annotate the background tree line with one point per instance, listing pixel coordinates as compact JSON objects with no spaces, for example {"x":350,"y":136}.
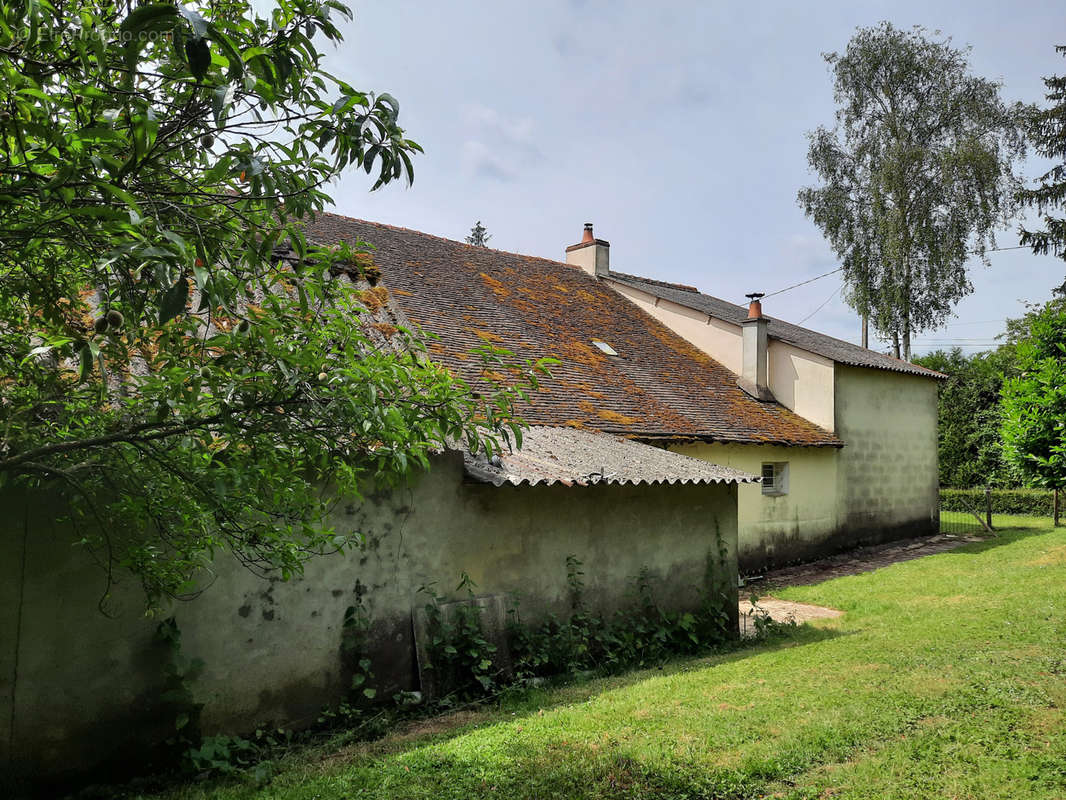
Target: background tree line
{"x":982,"y":427}
{"x":1003,"y":413}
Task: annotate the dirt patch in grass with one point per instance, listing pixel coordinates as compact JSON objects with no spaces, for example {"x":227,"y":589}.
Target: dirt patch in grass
{"x":401,"y":737}
{"x":784,"y":611}
{"x":436,"y":725}
{"x":1056,"y":556}
{"x":1046,"y":721}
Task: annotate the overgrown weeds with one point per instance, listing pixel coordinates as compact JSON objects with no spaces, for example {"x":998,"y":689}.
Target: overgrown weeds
{"x":467,"y":668}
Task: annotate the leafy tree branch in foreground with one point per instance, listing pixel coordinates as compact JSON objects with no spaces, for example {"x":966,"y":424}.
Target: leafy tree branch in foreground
{"x":179,"y":363}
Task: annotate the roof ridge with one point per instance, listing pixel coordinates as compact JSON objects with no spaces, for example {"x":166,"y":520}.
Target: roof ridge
{"x":450,"y":241}
{"x":682,"y":286}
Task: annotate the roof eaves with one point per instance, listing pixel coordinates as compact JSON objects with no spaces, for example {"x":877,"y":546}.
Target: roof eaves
{"x":551,"y":455}
{"x":827,"y":440}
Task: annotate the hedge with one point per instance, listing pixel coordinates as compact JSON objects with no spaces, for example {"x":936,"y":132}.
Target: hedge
{"x":1031,"y":502}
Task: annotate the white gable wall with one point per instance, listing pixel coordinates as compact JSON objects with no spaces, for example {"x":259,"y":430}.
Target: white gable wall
{"x":718,"y":339}
{"x":801,"y":381}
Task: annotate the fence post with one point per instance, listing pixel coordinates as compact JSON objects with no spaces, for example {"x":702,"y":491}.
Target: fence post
{"x":1055,"y":507}
{"x":988,"y":507}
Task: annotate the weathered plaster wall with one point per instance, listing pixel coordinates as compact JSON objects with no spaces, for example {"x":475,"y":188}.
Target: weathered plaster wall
{"x":86,"y":686}
{"x":777,"y":530}
{"x":888,"y":471}
{"x":800,"y":380}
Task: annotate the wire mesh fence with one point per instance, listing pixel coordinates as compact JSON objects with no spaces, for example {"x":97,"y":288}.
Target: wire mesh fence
{"x":959,"y":523}
{"x":974,"y":520}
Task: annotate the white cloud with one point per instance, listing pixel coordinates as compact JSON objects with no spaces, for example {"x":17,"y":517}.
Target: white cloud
{"x":496,"y":146}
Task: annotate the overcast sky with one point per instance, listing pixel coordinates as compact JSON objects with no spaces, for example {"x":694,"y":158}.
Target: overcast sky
{"x":679,"y":129}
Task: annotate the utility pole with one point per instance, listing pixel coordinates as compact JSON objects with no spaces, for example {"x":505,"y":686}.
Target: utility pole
{"x":865,"y":331}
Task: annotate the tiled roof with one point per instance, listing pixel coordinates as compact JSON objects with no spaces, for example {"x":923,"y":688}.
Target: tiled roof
{"x":658,"y":386}
{"x":803,"y":338}
{"x":583,"y":458}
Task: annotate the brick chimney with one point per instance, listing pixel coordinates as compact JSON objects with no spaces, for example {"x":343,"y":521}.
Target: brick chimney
{"x":591,"y":254}
{"x":753,"y":375}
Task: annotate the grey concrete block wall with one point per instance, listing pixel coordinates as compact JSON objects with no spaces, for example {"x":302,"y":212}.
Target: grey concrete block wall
{"x":78,"y":688}
{"x":887,"y":476}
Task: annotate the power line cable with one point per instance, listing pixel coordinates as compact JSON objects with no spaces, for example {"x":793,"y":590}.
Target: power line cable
{"x":804,"y":283}
{"x":839,"y":269}
{"x":823,"y":305}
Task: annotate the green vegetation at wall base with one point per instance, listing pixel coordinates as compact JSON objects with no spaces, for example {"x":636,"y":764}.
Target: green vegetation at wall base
{"x":943,"y":678}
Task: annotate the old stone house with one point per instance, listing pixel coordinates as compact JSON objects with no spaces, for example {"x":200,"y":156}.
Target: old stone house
{"x":843,"y":437}
{"x":606,"y":473}
{"x":80,"y":689}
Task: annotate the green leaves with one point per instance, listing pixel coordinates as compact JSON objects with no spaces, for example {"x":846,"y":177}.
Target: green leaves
{"x":196,"y":22}
{"x":174,"y":300}
{"x":135,"y":165}
{"x":1034,"y":401}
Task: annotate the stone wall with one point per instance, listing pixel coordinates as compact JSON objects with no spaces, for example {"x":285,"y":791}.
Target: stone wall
{"x":79,"y":689}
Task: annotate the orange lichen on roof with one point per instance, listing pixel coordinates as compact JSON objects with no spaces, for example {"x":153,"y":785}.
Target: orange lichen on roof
{"x":658,"y":386}
{"x":581,"y":353}
{"x":582,"y":390}
{"x":614,"y":416}
{"x":374,"y":298}
{"x":385,"y":328}
{"x":498,"y":287}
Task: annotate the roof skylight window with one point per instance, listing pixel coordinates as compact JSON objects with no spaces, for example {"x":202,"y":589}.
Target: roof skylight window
{"x":604,"y":347}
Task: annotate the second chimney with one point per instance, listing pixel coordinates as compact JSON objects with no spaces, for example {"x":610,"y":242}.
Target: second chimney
{"x":753,"y":376}
{"x":591,"y":254}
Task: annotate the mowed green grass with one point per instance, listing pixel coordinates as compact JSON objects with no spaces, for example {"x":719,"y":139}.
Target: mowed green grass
{"x":945,"y":678}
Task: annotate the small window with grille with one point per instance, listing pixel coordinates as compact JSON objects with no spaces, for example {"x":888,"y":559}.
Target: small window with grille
{"x":775,"y":479}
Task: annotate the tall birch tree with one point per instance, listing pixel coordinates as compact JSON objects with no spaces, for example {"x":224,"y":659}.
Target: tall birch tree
{"x":915,"y":176}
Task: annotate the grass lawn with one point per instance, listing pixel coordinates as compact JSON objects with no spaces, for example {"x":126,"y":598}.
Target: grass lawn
{"x":945,"y":678}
